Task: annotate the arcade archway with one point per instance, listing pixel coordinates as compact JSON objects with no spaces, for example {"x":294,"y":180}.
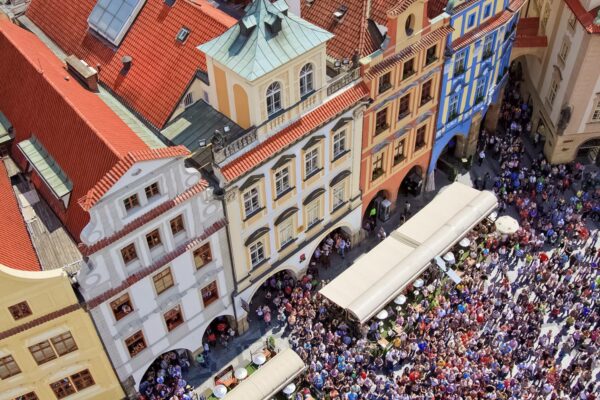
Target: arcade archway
{"x":589,"y":152}
{"x":164,"y":374}
{"x":378,"y":210}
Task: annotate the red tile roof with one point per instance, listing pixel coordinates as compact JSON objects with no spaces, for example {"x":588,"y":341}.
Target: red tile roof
{"x":488,"y":26}
{"x":585,"y":18}
{"x":81,"y":133}
{"x":297,"y":130}
{"x":16,"y":249}
{"x":161,"y":262}
{"x":162,"y":68}
{"x":425,"y":42}
{"x":436,"y":7}
{"x":527,"y":36}
{"x":400,"y":7}
{"x":144,"y":219}
{"x":96,"y":192}
{"x":352,"y":35}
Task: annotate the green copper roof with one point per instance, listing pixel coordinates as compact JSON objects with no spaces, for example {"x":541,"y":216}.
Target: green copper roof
{"x":266,"y":38}
{"x":46,"y":167}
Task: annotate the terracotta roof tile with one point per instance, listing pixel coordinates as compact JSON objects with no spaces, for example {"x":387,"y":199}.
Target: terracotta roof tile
{"x":490,"y":25}
{"x":425,"y":42}
{"x":144,"y":219}
{"x":132,"y":279}
{"x":527,"y":36}
{"x":81,"y":133}
{"x":585,"y":18}
{"x":162,"y":67}
{"x":95,"y":193}
{"x":435,"y":8}
{"x":294,"y":132}
{"x":400,"y":7}
{"x":16,"y":249}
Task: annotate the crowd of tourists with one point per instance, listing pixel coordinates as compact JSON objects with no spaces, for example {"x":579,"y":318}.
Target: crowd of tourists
{"x":164,"y":379}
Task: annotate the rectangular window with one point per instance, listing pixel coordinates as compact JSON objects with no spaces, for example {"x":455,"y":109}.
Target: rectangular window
{"x":399,"y":155}
{"x":404,"y":108}
{"x":487,"y":10}
{"x":82,"y":379}
{"x":163,"y":280}
{"x":553,"y":91}
{"x":257,"y":253}
{"x":339,"y":143}
{"x":426,"y":92}
{"x":177,"y":225}
{"x":27,"y":396}
{"x":62,"y":388}
{"x":202,"y":255}
{"x":131,"y":202}
{"x":152,"y":190}
{"x":596,"y":113}
{"x":420,"y":141}
{"x":173,"y":318}
{"x":286,"y":232}
{"x":42,"y":352}
{"x":251,"y":201}
{"x":210,"y":293}
{"x":313,"y":214}
{"x":453,"y":107}
{"x":377,"y":165}
{"x":459,"y":62}
{"x":339,"y":195}
{"x":572,"y":20}
{"x":431,"y":55}
{"x":20,"y":310}
{"x":564,"y":51}
{"x":188,"y":100}
{"x":385,"y":82}
{"x":480,"y":91}
{"x":135,"y":343}
{"x":64,"y":343}
{"x":381,"y":123}
{"x":471,"y":21}
{"x":408,"y":69}
{"x":153,"y":239}
{"x":311,"y":161}
{"x":121,"y":306}
{"x":128,"y":253}
{"x":8,"y":367}
{"x":488,"y":47}
{"x":282,"y":181}
{"x":112,"y":18}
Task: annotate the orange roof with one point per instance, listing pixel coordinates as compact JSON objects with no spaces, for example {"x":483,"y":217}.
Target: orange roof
{"x":162,"y":68}
{"x":16,"y":249}
{"x":120,"y":168}
{"x":81,"y":133}
{"x":353,"y":33}
{"x":585,"y":18}
{"x":294,"y":132}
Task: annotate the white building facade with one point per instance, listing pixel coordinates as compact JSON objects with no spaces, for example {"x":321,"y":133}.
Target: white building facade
{"x":158,"y":270}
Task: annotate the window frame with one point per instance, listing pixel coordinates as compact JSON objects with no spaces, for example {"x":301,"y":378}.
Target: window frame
{"x":313,"y":206}
{"x":563,"y":52}
{"x":200,"y":252}
{"x":452,"y":116}
{"x":135,"y":337}
{"x":488,"y":47}
{"x":306,"y":78}
{"x":153,"y":241}
{"x":595,"y":117}
{"x":131,"y":202}
{"x":407,"y":111}
{"x":289,"y":225}
{"x":212,"y":298}
{"x":61,"y":340}
{"x":162,"y":278}
{"x":20,"y":310}
{"x":27,"y":396}
{"x":471,"y":20}
{"x":44,"y":347}
{"x":553,"y":91}
{"x":250,"y":200}
{"x":176,"y":309}
{"x":66,"y":388}
{"x":384,"y":83}
{"x":480,"y":91}
{"x":152,"y":190}
{"x":419,"y":145}
{"x":179,"y":224}
{"x":407,"y":74}
{"x":85,"y":377}
{"x":339,"y":136}
{"x":336,"y":200}
{"x":10,"y":364}
{"x":259,"y":247}
{"x":273,"y":98}
{"x":125,"y":252}
{"x":572,"y":21}
{"x":460,"y":63}
{"x":280,"y":177}
{"x":429,"y":97}
{"x":314,"y":161}
{"x":487,"y":10}
{"x":378,"y":127}
{"x":430,"y":59}
{"x":379,"y":160}
{"x":122,"y":302}
{"x":399,"y":156}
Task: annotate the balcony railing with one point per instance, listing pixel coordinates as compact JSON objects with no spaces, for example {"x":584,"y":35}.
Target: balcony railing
{"x":235,"y":146}
{"x":342,"y":81}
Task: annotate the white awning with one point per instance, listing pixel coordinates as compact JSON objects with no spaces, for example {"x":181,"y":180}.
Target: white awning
{"x":379,"y":276}
{"x":269,"y":379}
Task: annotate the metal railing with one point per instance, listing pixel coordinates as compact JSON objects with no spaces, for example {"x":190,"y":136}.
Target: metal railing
{"x":343,"y":81}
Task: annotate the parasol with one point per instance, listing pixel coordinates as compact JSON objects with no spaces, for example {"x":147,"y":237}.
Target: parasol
{"x":383,"y":314}
{"x":220,"y":391}
{"x":259,"y":359}
{"x":465,"y":242}
{"x":507,"y":225}
{"x":241,"y":373}
{"x":419,"y":283}
{"x":289,"y":389}
{"x":449,"y":257}
{"x":400,"y":299}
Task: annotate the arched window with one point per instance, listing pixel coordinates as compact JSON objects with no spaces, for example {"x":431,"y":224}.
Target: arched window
{"x":306,"y":79}
{"x":273,"y":98}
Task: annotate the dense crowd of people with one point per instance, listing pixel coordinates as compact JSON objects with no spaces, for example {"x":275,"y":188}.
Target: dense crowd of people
{"x":164,"y":379}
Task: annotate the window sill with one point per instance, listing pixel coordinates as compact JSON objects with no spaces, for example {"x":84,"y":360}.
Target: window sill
{"x":408,"y":75}
{"x":315,"y":172}
{"x":259,"y":264}
{"x":275,"y":114}
{"x":430,"y":61}
{"x":399,"y":160}
{"x":340,"y":155}
{"x":252,"y":214}
{"x":383,"y":89}
{"x":403,"y":115}
{"x":338,"y":207}
{"x":420,"y":147}
{"x":288,"y":244}
{"x":425,"y":101}
{"x":380,"y":130}
{"x":313,"y":225}
{"x":306,"y":95}
{"x":285,"y":192}
{"x":456,"y":74}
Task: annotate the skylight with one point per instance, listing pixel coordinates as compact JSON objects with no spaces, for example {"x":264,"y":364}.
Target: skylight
{"x":112,"y":18}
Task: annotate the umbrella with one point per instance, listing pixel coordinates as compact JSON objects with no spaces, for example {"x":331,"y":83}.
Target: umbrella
{"x":400,"y":299}
{"x":383,"y":314}
{"x":418,"y":283}
{"x":220,"y":391}
{"x":507,"y":225}
{"x":465,"y":242}
{"x":449,"y":257}
{"x":241,"y":373}
{"x":289,"y":389}
{"x":259,"y":359}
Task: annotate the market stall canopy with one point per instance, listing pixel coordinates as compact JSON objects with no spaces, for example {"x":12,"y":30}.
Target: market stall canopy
{"x":269,"y":379}
{"x":376,"y":278}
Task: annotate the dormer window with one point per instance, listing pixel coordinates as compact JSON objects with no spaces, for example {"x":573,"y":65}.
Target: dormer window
{"x":273,"y":98}
{"x":131,"y":202}
{"x":306,"y":80}
{"x":112,"y":18}
{"x":152,"y":190}
{"x":183,"y":34}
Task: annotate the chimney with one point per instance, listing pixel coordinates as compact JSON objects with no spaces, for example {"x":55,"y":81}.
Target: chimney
{"x":85,"y":74}
{"x":126,"y":60}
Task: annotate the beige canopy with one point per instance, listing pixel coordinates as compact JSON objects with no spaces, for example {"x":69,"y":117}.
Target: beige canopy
{"x":270,"y":379}
{"x":379,"y":276}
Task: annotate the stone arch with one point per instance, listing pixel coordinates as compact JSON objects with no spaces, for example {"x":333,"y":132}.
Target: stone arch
{"x":318,"y":240}
{"x":405,"y":186}
{"x":251,"y":291}
{"x":441,"y":145}
{"x":589,"y":151}
{"x":368,"y":202}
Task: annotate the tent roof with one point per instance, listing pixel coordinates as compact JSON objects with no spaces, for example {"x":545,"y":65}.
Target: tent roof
{"x":382,"y":274}
{"x":270,"y":378}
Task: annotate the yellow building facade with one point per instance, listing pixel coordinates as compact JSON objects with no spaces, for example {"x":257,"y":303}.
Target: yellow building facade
{"x":49,"y":348}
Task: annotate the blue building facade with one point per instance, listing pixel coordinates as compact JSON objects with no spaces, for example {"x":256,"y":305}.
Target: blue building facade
{"x":477,"y":61}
